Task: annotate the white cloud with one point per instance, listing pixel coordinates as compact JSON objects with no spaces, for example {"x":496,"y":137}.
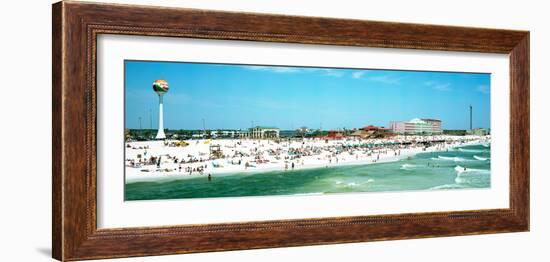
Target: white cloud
{"x":286,"y":69}
{"x":438,"y":86}
{"x":484,"y":89}
{"x":442,"y":87}
{"x":358,"y":74}
{"x":385,"y":79}
{"x":333,"y":72}
{"x":274,"y":69}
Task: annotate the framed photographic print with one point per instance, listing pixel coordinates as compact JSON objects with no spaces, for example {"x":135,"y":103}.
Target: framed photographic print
{"x":182,"y":130}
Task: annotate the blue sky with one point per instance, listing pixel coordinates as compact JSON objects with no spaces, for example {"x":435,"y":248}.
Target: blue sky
{"x":237,"y":96}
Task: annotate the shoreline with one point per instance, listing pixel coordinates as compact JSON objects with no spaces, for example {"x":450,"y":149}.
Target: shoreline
{"x":170,"y":171}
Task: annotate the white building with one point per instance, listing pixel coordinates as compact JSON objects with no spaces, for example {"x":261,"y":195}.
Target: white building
{"x":417,"y":126}
{"x":261,"y":132}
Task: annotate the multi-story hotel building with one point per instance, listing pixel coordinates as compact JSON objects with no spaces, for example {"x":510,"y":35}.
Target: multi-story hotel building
{"x":435,"y":124}
{"x":417,"y":126}
{"x":260,"y":132}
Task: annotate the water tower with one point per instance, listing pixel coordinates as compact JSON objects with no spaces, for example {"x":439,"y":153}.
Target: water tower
{"x":160,"y":87}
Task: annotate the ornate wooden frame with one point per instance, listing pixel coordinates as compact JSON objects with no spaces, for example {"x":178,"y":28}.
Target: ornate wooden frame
{"x":76,"y":26}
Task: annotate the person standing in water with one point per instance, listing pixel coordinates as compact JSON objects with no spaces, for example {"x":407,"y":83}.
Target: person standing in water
{"x":209,"y":177}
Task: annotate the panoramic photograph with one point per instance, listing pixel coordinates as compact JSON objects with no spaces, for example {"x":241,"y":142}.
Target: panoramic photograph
{"x":204,"y":130}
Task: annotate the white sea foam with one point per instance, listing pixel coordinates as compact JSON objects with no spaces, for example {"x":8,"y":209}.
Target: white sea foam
{"x":470,"y":175}
{"x":447,"y":186}
{"x":461,"y":169}
{"x":309,"y":194}
{"x":480,"y":158}
{"x":472,"y":150}
{"x":451,"y":158}
{"x":408,"y":166}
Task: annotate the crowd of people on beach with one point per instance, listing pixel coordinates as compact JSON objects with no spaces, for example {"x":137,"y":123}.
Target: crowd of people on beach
{"x":284,"y":154}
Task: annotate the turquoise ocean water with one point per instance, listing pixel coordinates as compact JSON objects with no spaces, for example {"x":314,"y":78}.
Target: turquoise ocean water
{"x":459,"y":168}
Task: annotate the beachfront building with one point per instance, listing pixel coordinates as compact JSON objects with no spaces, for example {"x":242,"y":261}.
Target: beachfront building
{"x":229,"y":133}
{"x":371,"y":131}
{"x":417,"y":126}
{"x":479,"y":132}
{"x":435,"y":125}
{"x":335,"y":134}
{"x":261,"y":132}
{"x":302,"y":131}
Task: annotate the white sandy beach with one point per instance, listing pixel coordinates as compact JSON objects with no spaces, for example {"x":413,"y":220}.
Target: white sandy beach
{"x":246,"y":155}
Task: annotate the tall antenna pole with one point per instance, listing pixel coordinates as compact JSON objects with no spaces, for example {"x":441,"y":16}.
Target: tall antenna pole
{"x":203,"y":126}
{"x":139,"y":122}
{"x":470,"y":117}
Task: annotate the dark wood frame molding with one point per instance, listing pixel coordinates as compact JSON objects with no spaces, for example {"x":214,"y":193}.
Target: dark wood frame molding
{"x":76,"y":26}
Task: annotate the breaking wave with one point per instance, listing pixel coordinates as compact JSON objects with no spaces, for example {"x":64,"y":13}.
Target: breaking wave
{"x":408,"y":166}
{"x":354,"y":184}
{"x":480,"y":158}
{"x":472,"y":176}
{"x":450,"y":158}
{"x":472,"y":150}
{"x":447,"y":186}
{"x":309,"y":194}
{"x":461,"y":169}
